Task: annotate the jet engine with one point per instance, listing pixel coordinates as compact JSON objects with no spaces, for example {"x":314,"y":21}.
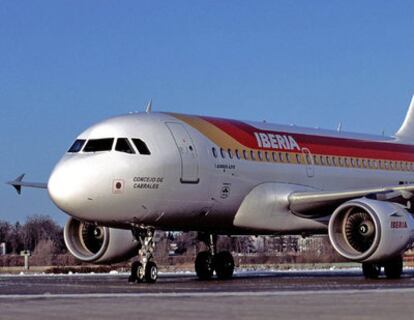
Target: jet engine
{"x":366,"y":230}
{"x":97,"y":244}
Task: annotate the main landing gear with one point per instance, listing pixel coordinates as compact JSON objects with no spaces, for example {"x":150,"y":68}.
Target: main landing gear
{"x":144,"y":269}
{"x":392,"y":269}
{"x":209,"y":261}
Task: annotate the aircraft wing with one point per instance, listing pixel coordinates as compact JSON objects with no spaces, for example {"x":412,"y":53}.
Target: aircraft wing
{"x":317,"y":203}
{"x":269,"y":206}
{"x":18,"y":183}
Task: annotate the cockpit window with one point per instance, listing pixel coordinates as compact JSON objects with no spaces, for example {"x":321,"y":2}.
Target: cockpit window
{"x":77,"y":146}
{"x":141,"y":146}
{"x":95,"y":145}
{"x":123,"y":145}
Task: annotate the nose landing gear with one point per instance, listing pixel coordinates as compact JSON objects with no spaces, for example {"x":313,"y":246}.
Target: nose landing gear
{"x":209,"y":261}
{"x":144,"y":269}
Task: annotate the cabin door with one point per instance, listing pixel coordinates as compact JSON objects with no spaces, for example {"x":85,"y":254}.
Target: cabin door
{"x":187,"y":151}
{"x":308,"y":158}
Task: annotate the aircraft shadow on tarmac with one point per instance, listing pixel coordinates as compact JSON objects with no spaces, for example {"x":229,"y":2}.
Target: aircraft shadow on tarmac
{"x":292,"y":275}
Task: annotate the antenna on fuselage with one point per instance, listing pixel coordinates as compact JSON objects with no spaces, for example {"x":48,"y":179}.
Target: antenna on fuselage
{"x":339,"y":128}
{"x":149,"y":107}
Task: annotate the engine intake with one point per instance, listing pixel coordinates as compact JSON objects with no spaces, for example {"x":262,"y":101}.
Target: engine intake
{"x":370,"y":230}
{"x":97,"y":244}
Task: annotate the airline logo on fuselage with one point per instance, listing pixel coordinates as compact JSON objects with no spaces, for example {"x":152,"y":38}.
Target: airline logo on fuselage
{"x":276,"y":141}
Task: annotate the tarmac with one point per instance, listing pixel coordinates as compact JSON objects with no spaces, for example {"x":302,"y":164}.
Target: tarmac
{"x":309,"y":294}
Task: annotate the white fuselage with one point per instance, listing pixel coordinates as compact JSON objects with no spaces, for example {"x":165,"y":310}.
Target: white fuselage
{"x":189,"y":181}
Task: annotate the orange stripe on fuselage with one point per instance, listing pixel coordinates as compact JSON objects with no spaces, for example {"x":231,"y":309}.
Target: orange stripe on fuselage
{"x":215,"y":134}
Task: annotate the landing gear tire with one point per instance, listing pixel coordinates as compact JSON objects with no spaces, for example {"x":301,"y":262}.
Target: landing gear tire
{"x":144,"y":269}
{"x":371,"y":270}
{"x":137,"y":274}
{"x":224,"y":265}
{"x":204,"y":265}
{"x":151,"y":272}
{"x":393,"y":268}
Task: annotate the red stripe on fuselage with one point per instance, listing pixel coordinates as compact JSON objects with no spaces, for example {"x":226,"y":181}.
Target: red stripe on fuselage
{"x":244,"y":134}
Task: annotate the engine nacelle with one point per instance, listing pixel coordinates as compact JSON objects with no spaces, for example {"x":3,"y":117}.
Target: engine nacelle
{"x":91,"y":243}
{"x":367,"y":230}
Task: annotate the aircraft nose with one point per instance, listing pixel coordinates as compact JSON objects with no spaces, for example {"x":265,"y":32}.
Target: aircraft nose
{"x":65,"y":188}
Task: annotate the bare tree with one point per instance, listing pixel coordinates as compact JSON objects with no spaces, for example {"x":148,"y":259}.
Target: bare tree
{"x":40,"y":227}
{"x":16,"y":240}
{"x":5,"y":233}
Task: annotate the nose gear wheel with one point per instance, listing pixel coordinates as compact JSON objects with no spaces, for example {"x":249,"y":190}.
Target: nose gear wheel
{"x":144,"y":269}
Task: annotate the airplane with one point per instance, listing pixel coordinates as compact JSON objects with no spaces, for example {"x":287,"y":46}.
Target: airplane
{"x":127,"y":176}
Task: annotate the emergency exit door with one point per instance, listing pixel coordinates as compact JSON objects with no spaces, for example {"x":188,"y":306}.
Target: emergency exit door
{"x":187,"y":151}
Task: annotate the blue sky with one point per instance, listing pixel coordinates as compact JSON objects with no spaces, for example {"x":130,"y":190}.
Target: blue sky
{"x":67,"y":64}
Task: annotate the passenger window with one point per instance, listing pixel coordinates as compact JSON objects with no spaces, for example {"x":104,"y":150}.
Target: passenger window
{"x":281,"y":156}
{"x":322,"y":160}
{"x":214,"y":152}
{"x":298,"y":158}
{"x":223,"y":155}
{"x":267,"y":156}
{"x":123,"y":145}
{"x":230,"y":153}
{"x":328,"y":160}
{"x":274,"y":156}
{"x":287,"y":157}
{"x":141,"y":146}
{"x":259,"y":153}
{"x":245,"y":155}
{"x":315,"y":160}
{"x":252,"y":155}
{"x":77,"y":146}
{"x":96,"y":145}
{"x":237,"y":154}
